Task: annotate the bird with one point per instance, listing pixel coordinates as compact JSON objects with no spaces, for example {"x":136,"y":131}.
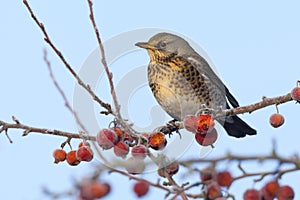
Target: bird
{"x":183,"y":82}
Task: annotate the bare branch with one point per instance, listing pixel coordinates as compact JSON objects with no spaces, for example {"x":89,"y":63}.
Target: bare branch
{"x":67,"y":65}
{"x":256,"y":106}
{"x":175,"y":126}
{"x":109,"y":75}
{"x":103,"y":60}
{"x":67,"y":104}
{"x":30,"y":129}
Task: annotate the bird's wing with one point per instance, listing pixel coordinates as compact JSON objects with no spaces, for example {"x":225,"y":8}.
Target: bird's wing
{"x":202,"y":65}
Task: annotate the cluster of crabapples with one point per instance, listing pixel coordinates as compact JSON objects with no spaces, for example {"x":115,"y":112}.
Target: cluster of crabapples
{"x":74,"y":157}
{"x":270,"y":191}
{"x":203,"y":127}
{"x":124,"y":144}
{"x":214,"y":183}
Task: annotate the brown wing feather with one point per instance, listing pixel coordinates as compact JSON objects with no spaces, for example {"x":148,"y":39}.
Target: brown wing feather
{"x":202,"y":65}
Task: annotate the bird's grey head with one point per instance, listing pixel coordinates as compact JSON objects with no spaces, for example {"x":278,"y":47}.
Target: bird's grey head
{"x":165,"y":44}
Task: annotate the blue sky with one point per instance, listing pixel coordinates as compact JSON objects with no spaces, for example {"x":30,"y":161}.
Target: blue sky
{"x":254,"y":45}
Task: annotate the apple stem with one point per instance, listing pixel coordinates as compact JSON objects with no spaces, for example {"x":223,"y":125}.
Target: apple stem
{"x":277,"y":108}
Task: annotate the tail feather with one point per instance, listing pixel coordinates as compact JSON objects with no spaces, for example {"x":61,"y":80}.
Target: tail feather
{"x":236,"y":127}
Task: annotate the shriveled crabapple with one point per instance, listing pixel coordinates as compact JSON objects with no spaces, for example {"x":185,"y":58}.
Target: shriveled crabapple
{"x":204,"y":123}
{"x":121,"y":149}
{"x":206,"y":139}
{"x":107,"y":138}
{"x":157,"y":141}
{"x":139,"y":151}
{"x":118,"y":131}
{"x":84,"y":153}
{"x":59,"y":155}
{"x":72,"y":158}
{"x":189,"y":123}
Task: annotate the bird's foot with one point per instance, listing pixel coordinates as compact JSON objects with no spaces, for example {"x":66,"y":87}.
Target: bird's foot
{"x":170,"y":128}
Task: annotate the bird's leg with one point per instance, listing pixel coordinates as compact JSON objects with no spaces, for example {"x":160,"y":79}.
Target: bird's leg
{"x":171,"y":127}
{"x":204,"y":110}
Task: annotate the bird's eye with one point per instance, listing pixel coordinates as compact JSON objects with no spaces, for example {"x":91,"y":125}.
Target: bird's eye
{"x":162,"y":45}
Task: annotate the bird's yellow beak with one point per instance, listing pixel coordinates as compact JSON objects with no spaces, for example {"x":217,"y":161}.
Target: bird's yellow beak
{"x":144,"y":45}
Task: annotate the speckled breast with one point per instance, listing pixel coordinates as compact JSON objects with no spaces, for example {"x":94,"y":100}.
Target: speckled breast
{"x":181,"y":89}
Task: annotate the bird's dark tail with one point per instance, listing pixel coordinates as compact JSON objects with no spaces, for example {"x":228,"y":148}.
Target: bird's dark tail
{"x":236,"y":127}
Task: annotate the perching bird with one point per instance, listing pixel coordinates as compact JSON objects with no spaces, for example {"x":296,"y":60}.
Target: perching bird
{"x":183,"y":82}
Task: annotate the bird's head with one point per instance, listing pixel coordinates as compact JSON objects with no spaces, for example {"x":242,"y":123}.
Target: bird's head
{"x":165,"y":45}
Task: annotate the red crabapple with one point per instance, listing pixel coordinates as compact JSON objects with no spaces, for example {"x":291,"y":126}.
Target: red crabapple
{"x":206,"y":139}
{"x":204,"y":123}
{"x":85,"y":153}
{"x":251,"y":194}
{"x":157,"y":141}
{"x":121,"y":149}
{"x":59,"y":155}
{"x":141,"y":188}
{"x":296,"y":94}
{"x":285,"y":193}
{"x":214,"y":191}
{"x":189,"y":123}
{"x":139,"y":151}
{"x":224,"y":178}
{"x":276,"y":120}
{"x":72,"y":158}
{"x":107,"y":138}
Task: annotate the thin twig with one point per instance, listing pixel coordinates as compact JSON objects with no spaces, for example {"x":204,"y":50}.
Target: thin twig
{"x":67,"y":65}
{"x":264,"y":174}
{"x":109,"y":75}
{"x":67,"y":104}
{"x":29,"y":129}
{"x":157,"y":185}
{"x":103,"y":59}
{"x":176,"y":186}
{"x":230,"y":157}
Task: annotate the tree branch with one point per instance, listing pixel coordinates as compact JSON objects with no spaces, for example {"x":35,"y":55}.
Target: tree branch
{"x":29,"y":129}
{"x":61,"y":92}
{"x":109,"y":75}
{"x":256,"y":106}
{"x":175,"y":126}
{"x":67,"y":65}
